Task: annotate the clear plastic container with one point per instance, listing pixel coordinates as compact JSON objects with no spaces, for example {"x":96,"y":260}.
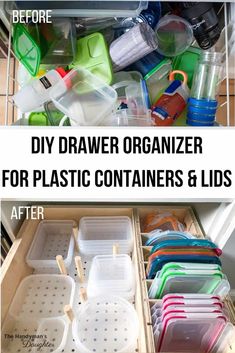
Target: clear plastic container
{"x":207,"y":76}
{"x":46,"y":43}
{"x":123,"y":117}
{"x":202,"y":104}
{"x":157,"y":79}
{"x":113,"y":274}
{"x":52,"y":238}
{"x":132,"y":46}
{"x":106,"y":324}
{"x":87,"y":8}
{"x":97,"y":235}
{"x":51,"y":335}
{"x":201,"y":331}
{"x":174,"y":35}
{"x":87,"y":101}
{"x":42,"y":296}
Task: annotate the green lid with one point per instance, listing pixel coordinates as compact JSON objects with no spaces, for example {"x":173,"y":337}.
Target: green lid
{"x":158,"y":67}
{"x":26,"y":49}
{"x":38,"y":119}
{"x":93,"y":55}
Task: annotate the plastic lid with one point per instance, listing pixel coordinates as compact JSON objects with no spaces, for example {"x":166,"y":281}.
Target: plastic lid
{"x":174,"y":35}
{"x":61,"y":71}
{"x":165,"y":62}
{"x":26,"y":49}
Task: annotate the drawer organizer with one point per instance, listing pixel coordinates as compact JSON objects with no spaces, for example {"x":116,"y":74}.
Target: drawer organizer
{"x":37,"y":288}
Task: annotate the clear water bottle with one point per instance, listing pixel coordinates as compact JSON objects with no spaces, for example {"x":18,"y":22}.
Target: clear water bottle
{"x":202,"y":104}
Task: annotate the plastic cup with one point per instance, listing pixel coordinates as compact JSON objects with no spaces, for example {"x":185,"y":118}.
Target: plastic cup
{"x":174,"y":35}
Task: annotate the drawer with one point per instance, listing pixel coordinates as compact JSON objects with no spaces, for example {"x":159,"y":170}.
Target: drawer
{"x":15,"y":268}
{"x":11,"y":114}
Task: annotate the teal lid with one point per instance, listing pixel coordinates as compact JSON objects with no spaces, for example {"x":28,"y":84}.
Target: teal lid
{"x":26,"y":49}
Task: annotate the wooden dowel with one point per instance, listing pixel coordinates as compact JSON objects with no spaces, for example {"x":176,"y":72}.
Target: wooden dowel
{"x":75,"y":235}
{"x":78,"y":263}
{"x":115,"y":249}
{"x":83,"y":295}
{"x":69,"y":312}
{"x":61,"y":265}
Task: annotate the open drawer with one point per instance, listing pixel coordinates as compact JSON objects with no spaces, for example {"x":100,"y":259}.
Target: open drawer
{"x":12,"y":75}
{"x":15,"y":268}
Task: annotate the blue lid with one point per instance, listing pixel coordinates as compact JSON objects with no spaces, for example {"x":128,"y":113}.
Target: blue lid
{"x":199,"y":123}
{"x":173,"y":86}
{"x":203,"y":102}
{"x":145,"y":93}
{"x":184,"y":243}
{"x":161,"y":236}
{"x":161,"y":260}
{"x":200,"y":117}
{"x":202,"y":110}
{"x":147,"y":63}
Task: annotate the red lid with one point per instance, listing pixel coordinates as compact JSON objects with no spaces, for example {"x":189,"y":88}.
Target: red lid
{"x":61,"y":71}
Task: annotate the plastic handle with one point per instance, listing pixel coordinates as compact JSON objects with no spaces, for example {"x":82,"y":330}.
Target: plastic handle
{"x":61,"y":264}
{"x":182,"y":73}
{"x":78,"y":263}
{"x":115,"y":249}
{"x":75,"y":235}
{"x":83,"y":295}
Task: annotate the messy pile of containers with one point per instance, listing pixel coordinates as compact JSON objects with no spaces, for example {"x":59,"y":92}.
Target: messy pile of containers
{"x":120,"y":63}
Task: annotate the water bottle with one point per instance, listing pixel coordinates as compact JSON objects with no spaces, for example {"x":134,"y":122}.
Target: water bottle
{"x":172,"y":102}
{"x":202,"y":104}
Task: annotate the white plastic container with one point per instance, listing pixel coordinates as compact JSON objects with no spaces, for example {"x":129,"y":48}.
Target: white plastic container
{"x":52,"y":238}
{"x":87,"y":101}
{"x":97,"y":235}
{"x":42,"y":296}
{"x":132,"y":46}
{"x":54,"y":333}
{"x":106,"y":324}
{"x":36,"y":92}
{"x":113,"y":274}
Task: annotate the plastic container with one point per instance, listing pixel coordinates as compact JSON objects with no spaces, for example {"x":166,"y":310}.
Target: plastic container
{"x":202,"y":104}
{"x":92,"y":54}
{"x":53,"y":331}
{"x":52,"y":43}
{"x":174,"y":35}
{"x":181,"y":281}
{"x":157,"y":238}
{"x":147,"y":63}
{"x":97,"y":235}
{"x":37,"y":296}
{"x":122,"y":79}
{"x":157,"y":79}
{"x":226,"y":341}
{"x":52,"y":238}
{"x":107,"y":323}
{"x":201,"y":331}
{"x":113,"y":274}
{"x":172,"y":102}
{"x":132,"y":46}
{"x":36,"y":92}
{"x":122,"y":117}
{"x":161,"y":221}
{"x":187,"y":62}
{"x":88,"y":101}
{"x":88,"y":8}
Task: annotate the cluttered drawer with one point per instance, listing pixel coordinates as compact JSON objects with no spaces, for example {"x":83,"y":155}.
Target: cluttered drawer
{"x":77,"y":281}
{"x":141,"y":63}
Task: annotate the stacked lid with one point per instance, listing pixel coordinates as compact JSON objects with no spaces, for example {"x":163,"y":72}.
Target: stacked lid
{"x":97,"y":235}
{"x":113,"y":274}
{"x":182,"y":250}
{"x":189,"y":323}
